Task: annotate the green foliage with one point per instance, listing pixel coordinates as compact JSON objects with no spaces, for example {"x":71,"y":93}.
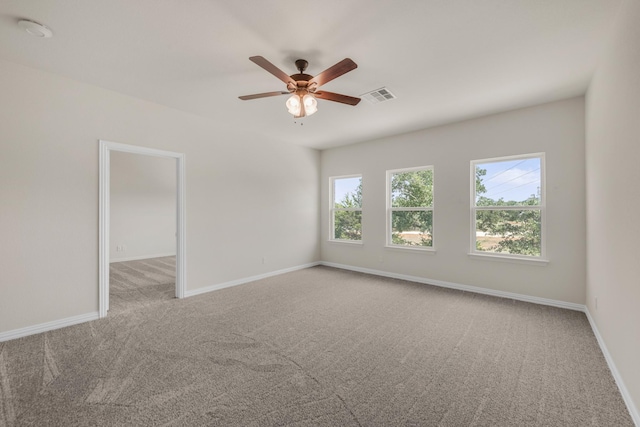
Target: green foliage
{"x":348,"y":224}
{"x":518,"y":230}
{"x":412,"y":190}
{"x":480,"y":188}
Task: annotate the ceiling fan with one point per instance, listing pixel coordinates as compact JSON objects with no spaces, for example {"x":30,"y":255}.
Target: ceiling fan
{"x":303,"y":88}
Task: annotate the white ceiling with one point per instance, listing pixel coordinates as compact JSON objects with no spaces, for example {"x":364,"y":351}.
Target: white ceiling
{"x":445,"y":60}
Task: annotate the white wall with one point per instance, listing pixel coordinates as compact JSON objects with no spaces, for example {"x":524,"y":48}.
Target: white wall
{"x":143,"y":206}
{"x":246,"y":197}
{"x":556,"y":129}
{"x":613,"y":175}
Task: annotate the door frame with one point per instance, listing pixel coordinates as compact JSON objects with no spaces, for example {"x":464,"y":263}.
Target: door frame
{"x":106,"y":147}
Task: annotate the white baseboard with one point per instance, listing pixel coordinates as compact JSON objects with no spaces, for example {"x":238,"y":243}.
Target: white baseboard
{"x":47,"y":326}
{"x":633,"y":411}
{"x":219,"y":286}
{"x":451,"y":285}
{"x":74,"y":320}
{"x":137,"y":258}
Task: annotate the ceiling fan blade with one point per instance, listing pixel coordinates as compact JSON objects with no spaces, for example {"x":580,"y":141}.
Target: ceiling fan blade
{"x":330,"y":96}
{"x":262,"y":95}
{"x":331,"y":73}
{"x":262,"y":62}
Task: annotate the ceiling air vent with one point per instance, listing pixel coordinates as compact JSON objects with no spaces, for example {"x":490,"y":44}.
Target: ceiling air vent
{"x":378,"y":95}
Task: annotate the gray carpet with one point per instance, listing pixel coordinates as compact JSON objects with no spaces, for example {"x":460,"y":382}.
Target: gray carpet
{"x":133,"y":285}
{"x":314,"y":347}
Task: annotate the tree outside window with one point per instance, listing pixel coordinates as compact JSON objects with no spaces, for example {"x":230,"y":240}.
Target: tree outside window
{"x":346,"y":210}
{"x":508,"y":205}
{"x":410,"y":207}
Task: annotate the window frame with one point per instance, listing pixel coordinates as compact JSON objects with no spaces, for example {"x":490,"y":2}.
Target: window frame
{"x":390,"y":209}
{"x":333,"y":209}
{"x":501,"y":256}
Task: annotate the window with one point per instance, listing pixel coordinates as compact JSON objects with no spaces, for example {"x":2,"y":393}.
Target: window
{"x":507,"y":210}
{"x":410,"y":208}
{"x":346,"y":208}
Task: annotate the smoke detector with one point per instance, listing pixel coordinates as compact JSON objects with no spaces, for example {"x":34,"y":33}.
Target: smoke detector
{"x":35,"y":29}
{"x":379,"y":95}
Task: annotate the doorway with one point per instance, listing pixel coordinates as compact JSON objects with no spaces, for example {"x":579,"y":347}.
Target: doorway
{"x":106,"y":147}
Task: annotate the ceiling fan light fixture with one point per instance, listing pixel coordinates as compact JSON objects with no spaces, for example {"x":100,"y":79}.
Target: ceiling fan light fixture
{"x":301,"y":105}
{"x":310,"y":104}
{"x":303,"y":88}
{"x":293,"y":105}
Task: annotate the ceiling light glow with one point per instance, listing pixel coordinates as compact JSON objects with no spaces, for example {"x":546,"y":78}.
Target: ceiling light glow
{"x":302,"y":105}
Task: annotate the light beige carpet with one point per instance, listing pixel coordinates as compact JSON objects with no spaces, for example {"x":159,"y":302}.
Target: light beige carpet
{"x":314,"y":347}
{"x":136,"y":284}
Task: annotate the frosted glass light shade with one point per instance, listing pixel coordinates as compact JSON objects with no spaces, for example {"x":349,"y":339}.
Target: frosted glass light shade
{"x":310,"y":104}
{"x":294,"y":105}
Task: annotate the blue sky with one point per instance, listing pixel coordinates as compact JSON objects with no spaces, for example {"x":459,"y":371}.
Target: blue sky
{"x":511,"y":180}
{"x":344,"y":186}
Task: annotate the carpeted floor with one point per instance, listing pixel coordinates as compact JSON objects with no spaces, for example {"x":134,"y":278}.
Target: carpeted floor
{"x":133,"y":285}
{"x":314,"y":347}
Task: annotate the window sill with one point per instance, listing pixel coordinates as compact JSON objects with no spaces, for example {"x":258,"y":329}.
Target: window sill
{"x":517,"y":260}
{"x":346,"y":242}
{"x":425,"y":250}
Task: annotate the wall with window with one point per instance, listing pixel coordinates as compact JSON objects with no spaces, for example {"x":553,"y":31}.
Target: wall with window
{"x":508,"y":208}
{"x":409,"y":202}
{"x":345,"y":209}
{"x":555,"y":129}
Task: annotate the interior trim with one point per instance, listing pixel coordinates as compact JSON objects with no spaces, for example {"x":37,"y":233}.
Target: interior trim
{"x":467,"y":288}
{"x":47,"y":326}
{"x":237,"y":282}
{"x":105,"y":148}
{"x":633,"y":411}
{"x":140,"y":257}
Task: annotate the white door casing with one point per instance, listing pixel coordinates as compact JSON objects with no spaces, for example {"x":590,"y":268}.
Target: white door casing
{"x":104,"y":211}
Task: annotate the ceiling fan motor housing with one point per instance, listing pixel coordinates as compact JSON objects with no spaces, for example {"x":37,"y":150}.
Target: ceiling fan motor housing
{"x":302,"y":64}
{"x":301,"y":79}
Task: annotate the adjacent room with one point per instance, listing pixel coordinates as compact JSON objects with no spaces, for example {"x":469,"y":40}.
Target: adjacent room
{"x":294,"y":213}
{"x":142,"y":230}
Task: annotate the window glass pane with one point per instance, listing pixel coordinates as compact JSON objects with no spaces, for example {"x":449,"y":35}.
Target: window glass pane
{"x":508,"y":183}
{"x":412,"y":189}
{"x":412,"y":228}
{"x":347,"y":225}
{"x":347,"y":192}
{"x":508,"y":231}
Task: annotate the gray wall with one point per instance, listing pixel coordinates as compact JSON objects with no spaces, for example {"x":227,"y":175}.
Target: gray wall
{"x":556,"y":129}
{"x":613,"y":175}
{"x":246,"y":197}
{"x":143,"y":206}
